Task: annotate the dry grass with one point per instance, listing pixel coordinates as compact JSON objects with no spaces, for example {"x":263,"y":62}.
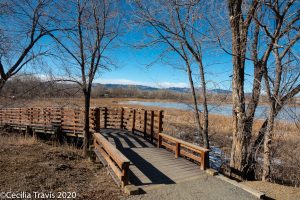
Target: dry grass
{"x":17,"y":140}
{"x":222,"y":125}
{"x":34,"y":166}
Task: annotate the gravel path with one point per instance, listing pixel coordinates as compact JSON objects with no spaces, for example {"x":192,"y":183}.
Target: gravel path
{"x":274,"y":190}
{"x":205,"y":187}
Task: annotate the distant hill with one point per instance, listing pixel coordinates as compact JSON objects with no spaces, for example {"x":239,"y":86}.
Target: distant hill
{"x":220,"y":91}
{"x":178,"y":89}
{"x":125,"y":86}
{"x":148,"y":88}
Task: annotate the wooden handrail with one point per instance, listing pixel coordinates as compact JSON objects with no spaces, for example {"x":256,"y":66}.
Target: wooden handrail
{"x":148,"y":122}
{"x":114,"y":158}
{"x":192,"y":146}
{"x":47,"y":119}
{"x":178,"y":146}
{"x":115,"y":154}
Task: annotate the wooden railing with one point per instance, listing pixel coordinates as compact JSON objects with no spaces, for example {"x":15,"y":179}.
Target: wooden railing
{"x":47,"y":120}
{"x":147,"y":122}
{"x":113,"y":157}
{"x":186,"y":149}
{"x":71,"y":120}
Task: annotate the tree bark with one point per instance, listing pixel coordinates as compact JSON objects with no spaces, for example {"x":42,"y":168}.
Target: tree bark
{"x":239,"y":142}
{"x":267,"y":145}
{"x":86,"y":129}
{"x":2,"y":83}
{"x":205,"y":108}
{"x":196,"y":111}
{"x":239,"y":34}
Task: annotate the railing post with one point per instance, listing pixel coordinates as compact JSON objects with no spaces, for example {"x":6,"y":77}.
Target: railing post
{"x":57,"y":133}
{"x":152,"y":125}
{"x":145,"y":123}
{"x":61,"y":116}
{"x":159,"y":141}
{"x":204,"y":160}
{"x":20,"y":117}
{"x":31,"y":116}
{"x":28,"y":131}
{"x":44,"y":116}
{"x":105,"y":117}
{"x":97,"y":119}
{"x":125,"y":177}
{"x":122,"y":118}
{"x":160,"y":116}
{"x":177,"y":150}
{"x":133,"y":121}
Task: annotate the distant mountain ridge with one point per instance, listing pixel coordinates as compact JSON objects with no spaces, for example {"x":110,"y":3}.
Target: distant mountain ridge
{"x":128,"y":86}
{"x":149,"y":88}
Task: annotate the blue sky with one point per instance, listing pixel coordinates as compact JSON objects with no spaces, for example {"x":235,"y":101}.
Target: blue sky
{"x":133,"y":68}
{"x":133,"y":64}
{"x":142,"y":66}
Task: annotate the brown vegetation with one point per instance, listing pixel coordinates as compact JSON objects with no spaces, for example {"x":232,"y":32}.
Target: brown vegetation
{"x":33,"y":166}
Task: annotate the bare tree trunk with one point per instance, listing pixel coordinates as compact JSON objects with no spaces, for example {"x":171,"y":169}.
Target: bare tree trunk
{"x":260,"y":67}
{"x":239,"y":141}
{"x":91,"y":27}
{"x":267,"y":145}
{"x":239,"y":149}
{"x":196,"y":111}
{"x":87,"y":135}
{"x":239,"y":33}
{"x":2,"y":83}
{"x":205,"y":109}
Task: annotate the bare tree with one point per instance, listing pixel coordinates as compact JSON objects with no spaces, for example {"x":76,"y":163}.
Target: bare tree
{"x":180,"y":27}
{"x":93,"y":26}
{"x":23,"y":24}
{"x":244,"y":29}
{"x":266,"y":37}
{"x":281,"y":76}
{"x":240,"y":21}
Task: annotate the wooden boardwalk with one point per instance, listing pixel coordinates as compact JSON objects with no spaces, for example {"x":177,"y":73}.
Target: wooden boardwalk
{"x":129,"y":156}
{"x":150,"y":165}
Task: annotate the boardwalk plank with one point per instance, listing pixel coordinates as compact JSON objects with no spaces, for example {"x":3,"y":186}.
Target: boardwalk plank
{"x":150,"y":165}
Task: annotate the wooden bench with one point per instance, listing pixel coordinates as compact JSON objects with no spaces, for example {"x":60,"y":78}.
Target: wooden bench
{"x":113,"y":157}
{"x":186,"y":149}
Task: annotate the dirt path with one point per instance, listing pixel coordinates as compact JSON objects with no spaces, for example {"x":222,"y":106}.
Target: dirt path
{"x":210,"y":188}
{"x":30,"y":166}
{"x":205,"y":187}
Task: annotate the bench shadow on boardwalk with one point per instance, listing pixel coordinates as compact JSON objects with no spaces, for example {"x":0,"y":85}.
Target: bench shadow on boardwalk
{"x":150,"y":165}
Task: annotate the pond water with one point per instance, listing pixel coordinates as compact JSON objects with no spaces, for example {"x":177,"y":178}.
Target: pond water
{"x":288,"y":113}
